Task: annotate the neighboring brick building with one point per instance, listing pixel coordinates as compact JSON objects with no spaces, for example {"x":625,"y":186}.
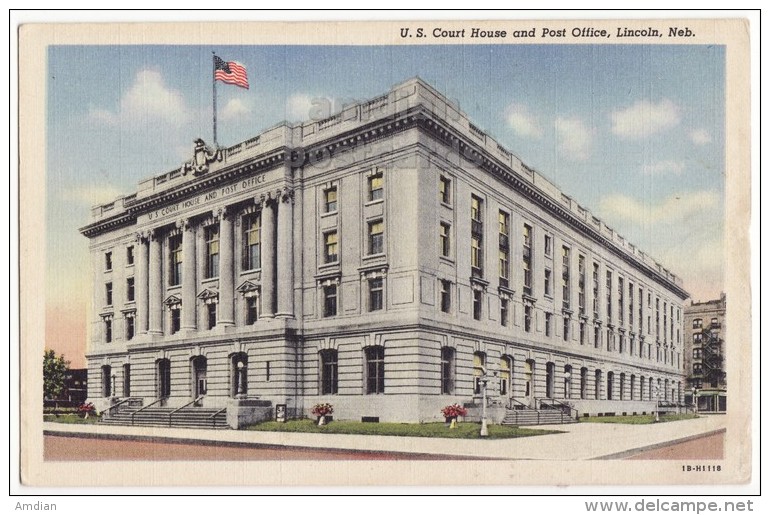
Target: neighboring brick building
{"x":704,"y":350}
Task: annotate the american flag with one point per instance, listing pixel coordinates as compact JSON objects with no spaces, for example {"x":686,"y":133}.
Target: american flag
{"x":230,"y":72}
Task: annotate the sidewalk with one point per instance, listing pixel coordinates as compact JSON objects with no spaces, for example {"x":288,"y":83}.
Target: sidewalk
{"x":584,"y":441}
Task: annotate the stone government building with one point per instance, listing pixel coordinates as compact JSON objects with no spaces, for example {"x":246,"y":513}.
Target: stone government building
{"x":383,"y":260}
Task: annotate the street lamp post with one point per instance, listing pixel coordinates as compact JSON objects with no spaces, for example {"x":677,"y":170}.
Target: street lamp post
{"x":567,"y":385}
{"x":657,"y":404}
{"x":240,"y":389}
{"x":484,"y":429}
{"x":112,"y":390}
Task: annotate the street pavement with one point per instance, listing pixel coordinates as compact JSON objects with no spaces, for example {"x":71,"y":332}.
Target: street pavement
{"x":583,"y":441}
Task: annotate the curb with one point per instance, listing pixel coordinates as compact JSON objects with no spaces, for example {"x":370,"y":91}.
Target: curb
{"x":637,"y":450}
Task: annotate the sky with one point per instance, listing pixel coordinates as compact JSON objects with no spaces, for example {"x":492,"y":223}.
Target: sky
{"x":634,"y":133}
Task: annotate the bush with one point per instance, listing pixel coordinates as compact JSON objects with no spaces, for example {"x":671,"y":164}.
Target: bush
{"x":454,"y":411}
{"x":322,"y":409}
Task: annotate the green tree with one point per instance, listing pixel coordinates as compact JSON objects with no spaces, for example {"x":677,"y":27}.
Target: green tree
{"x":54,"y":371}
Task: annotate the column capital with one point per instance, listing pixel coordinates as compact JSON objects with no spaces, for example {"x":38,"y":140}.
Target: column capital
{"x":286,"y":195}
{"x":185,"y":224}
{"x":221,"y":213}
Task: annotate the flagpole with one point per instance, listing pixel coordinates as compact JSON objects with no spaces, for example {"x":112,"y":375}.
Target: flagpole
{"x":214,"y":89}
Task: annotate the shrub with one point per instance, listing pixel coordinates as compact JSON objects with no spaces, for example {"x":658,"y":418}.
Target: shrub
{"x":454,"y":410}
{"x":322,"y":409}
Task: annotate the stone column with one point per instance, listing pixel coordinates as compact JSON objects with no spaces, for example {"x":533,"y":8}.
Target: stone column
{"x":155,"y":285}
{"x":286,"y":254}
{"x":188,"y":275}
{"x":226,"y":266}
{"x":142,"y":262}
{"x":268,"y":258}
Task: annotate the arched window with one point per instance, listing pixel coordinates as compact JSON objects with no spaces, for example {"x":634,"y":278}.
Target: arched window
{"x":622,"y":385}
{"x":479,"y":363}
{"x":447,"y":370}
{"x":598,"y":385}
{"x":550,"y":369}
{"x":375,"y":369}
{"x":329,"y":373}
{"x":106,"y":381}
{"x":583,"y":383}
{"x":567,"y":381}
{"x":239,"y":376}
{"x":610,"y":385}
{"x":506,"y":375}
{"x":163,"y":378}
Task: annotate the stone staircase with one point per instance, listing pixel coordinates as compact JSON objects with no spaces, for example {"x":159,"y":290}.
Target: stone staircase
{"x":193,"y":417}
{"x":525,"y":416}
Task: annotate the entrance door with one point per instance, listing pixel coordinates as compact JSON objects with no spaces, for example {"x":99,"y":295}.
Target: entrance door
{"x":529,"y":368}
{"x":199,"y":376}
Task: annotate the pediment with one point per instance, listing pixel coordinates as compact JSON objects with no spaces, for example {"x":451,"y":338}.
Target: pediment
{"x":172,"y":300}
{"x":247,"y":287}
{"x":208,"y":294}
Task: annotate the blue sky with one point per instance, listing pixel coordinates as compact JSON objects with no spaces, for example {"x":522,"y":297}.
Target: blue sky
{"x":634,"y":133}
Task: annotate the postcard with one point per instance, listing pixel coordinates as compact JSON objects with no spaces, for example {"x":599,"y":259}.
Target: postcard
{"x":400,"y":253}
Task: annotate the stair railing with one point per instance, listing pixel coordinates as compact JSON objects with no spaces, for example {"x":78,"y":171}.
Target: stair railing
{"x":564,"y":407}
{"x":214,"y":417}
{"x":156,"y":401}
{"x":109,"y":410}
{"x":514,"y":404}
{"x":194,"y":401}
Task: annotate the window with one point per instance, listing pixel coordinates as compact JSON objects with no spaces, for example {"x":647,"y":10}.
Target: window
{"x":446,"y":296}
{"x":330,"y":300}
{"x":582,"y":332}
{"x":444,"y":238}
{"x":251,"y":310}
{"x":527,"y":259}
{"x":476,"y":257}
{"x":129,"y":326}
{"x":477,"y":298}
{"x":697,"y":369}
{"x":697,"y":354}
{"x":565,"y":277}
{"x":697,"y":323}
{"x":657,"y":319}
{"x":212,"y":251}
{"x":610,"y":340}
{"x":126,"y":380}
{"x":595,"y":291}
{"x":583,"y":383}
{"x":697,"y":338}
{"x":445,"y":190}
{"x":130,"y":255}
{"x":447,"y":370}
{"x":375,"y":294}
{"x":107,"y":329}
{"x":641,"y":310}
{"x":598,"y":385}
{"x":106,"y":381}
{"x":175,"y":247}
{"x":550,"y":372}
{"x":375,"y":369}
{"x":477,"y":232}
{"x":565,"y":332}
{"x":329,"y":373}
{"x":528,"y":318}
{"x":548,"y":324}
{"x":130,"y":289}
{"x":547,"y":288}
{"x":375,"y":237}
{"x":548,"y":245}
{"x":567,"y":381}
{"x":504,"y":312}
{"x":211,"y":312}
{"x":108,"y":261}
{"x":610,"y":385}
{"x":506,"y":373}
{"x":630,"y":305}
{"x":375,"y":187}
{"x":608,"y":287}
{"x":581,"y":284}
{"x":251,"y":242}
{"x":176,"y":320}
{"x":108,"y":294}
{"x":597,"y":337}
{"x":621,"y":300}
{"x":479,"y":363}
{"x":330,"y":200}
{"x":504,"y":248}
{"x":267,"y":371}
{"x":330,"y":247}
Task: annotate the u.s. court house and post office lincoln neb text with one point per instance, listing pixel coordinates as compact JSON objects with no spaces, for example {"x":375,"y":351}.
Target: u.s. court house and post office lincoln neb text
{"x":385,"y":260}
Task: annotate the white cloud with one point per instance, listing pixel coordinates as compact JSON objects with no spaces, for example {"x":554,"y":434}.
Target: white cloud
{"x":90,"y":194}
{"x":300,"y":107}
{"x":663,"y":168}
{"x":522,"y":122}
{"x":148,"y":100}
{"x":234,"y":108}
{"x":621,"y":207}
{"x":700,"y":137}
{"x":645,"y":118}
{"x":575,"y":139}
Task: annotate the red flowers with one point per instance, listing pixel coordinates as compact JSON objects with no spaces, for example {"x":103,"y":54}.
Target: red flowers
{"x":322,"y":409}
{"x":454,"y":411}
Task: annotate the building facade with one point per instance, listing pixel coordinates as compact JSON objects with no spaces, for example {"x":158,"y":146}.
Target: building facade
{"x":384,"y":260}
{"x":704,"y":350}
